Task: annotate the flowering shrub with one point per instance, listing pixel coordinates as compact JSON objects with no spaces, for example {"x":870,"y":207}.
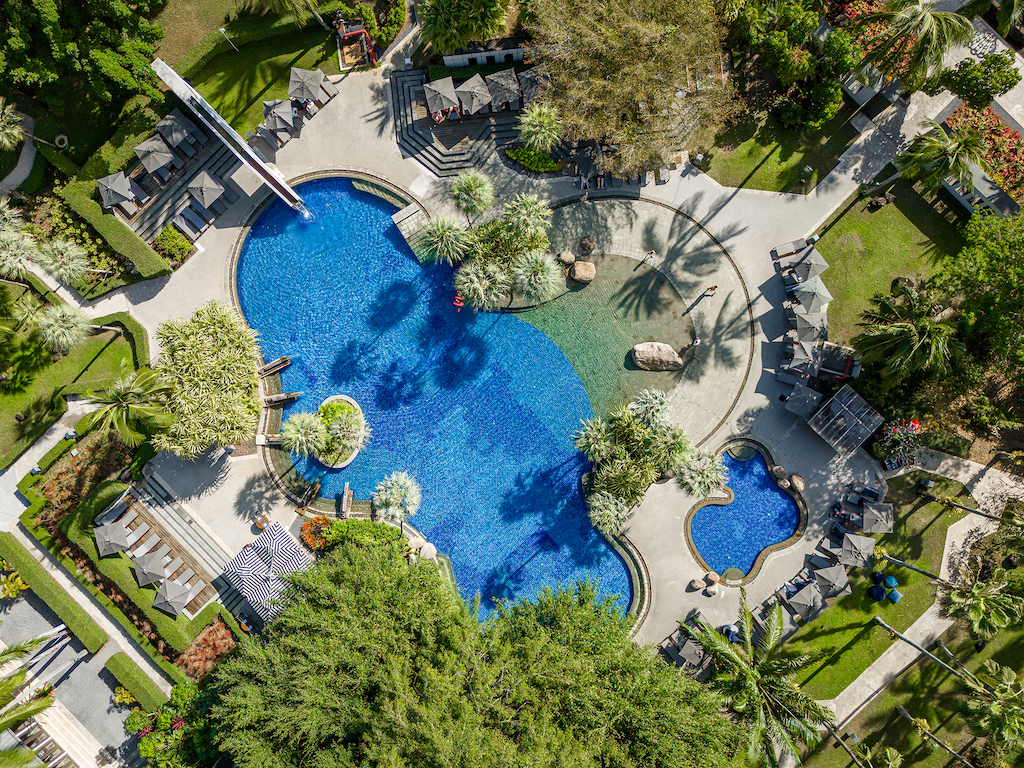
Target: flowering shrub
{"x":313,"y":533}
{"x":210,"y":646}
{"x":867,"y":35}
{"x":97,"y":458}
{"x":1004,"y":147}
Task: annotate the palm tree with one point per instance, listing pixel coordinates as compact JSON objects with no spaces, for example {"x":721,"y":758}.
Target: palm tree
{"x":17,"y":254}
{"x":441,"y":22}
{"x":395,"y":498}
{"x":528,"y":214}
{"x":304,"y":433}
{"x":651,"y":407}
{"x":472,"y":193}
{"x":758,"y":686}
{"x":915,"y":37}
{"x":702,"y":473}
{"x":608,"y":513}
{"x":904,"y":337}
{"x":1009,"y":13}
{"x":65,"y":260}
{"x":920,"y":649}
{"x":883,"y":553}
{"x":594,"y":440}
{"x":350,"y":432}
{"x":995,"y":710}
{"x":890,"y":758}
{"x":135,"y":401}
{"x":442,"y":239}
{"x":983,"y":605}
{"x":12,"y":132}
{"x":62,"y":327}
{"x":537,"y":276}
{"x":625,"y":477}
{"x":10,"y":217}
{"x":299,"y":8}
{"x":482,"y":283}
{"x":540,"y":128}
{"x":936,"y":156}
{"x":15,"y":714}
{"x":921,"y":725}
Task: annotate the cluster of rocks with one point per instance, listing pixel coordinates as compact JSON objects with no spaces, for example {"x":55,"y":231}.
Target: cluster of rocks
{"x":580,"y":271}
{"x":783,"y":480}
{"x":709,"y":584}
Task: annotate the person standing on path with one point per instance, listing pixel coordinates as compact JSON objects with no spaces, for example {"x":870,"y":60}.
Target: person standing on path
{"x":710,"y":290}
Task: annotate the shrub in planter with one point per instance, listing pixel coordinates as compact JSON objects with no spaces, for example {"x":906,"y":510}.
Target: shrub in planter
{"x":532,"y":160}
{"x":173,"y":245}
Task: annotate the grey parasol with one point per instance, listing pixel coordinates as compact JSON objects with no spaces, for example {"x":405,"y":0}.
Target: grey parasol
{"x":832,"y":581}
{"x":174,"y":128}
{"x":205,"y":188}
{"x":587,"y":156}
{"x":534,"y":82}
{"x":857,"y":550}
{"x":114,"y":189}
{"x":813,"y":295}
{"x":440,"y":95}
{"x":811,"y":326}
{"x":172,"y":597}
{"x":277,"y":114}
{"x":807,"y":601}
{"x":803,"y":401}
{"x":504,"y":86}
{"x":149,"y":568}
{"x":111,"y":538}
{"x":692,"y":653}
{"x":474,"y":94}
{"x":806,"y":359}
{"x":154,"y":153}
{"x":878,"y":518}
{"x":305,"y":84}
{"x":807,"y":263}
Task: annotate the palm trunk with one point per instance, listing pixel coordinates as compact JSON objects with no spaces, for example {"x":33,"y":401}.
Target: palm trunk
{"x":934,"y":739}
{"x":920,"y":648}
{"x":951,"y":503}
{"x":885,"y":183}
{"x":316,"y":15}
{"x":105,"y":328}
{"x":843,"y":744}
{"x":44,"y":141}
{"x":975,"y":681}
{"x":915,"y":569}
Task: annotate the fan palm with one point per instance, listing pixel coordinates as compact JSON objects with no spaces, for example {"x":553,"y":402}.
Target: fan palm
{"x":995,"y":710}
{"x":608,"y":513}
{"x":984,"y":606}
{"x":482,"y":283}
{"x":395,"y":498}
{"x":1009,"y":13}
{"x":444,"y":240}
{"x":303,"y":434}
{"x":11,"y":131}
{"x":594,"y":440}
{"x":527,"y":214}
{"x":758,"y":685}
{"x":15,"y":714}
{"x":62,"y":327}
{"x":936,"y":156}
{"x":914,"y":38}
{"x":540,"y":128}
{"x":132,"y":403}
{"x":625,"y":478}
{"x":901,"y":334}
{"x":651,"y":407}
{"x":702,"y":473}
{"x":537,"y":276}
{"x":65,"y":260}
{"x":472,"y":193}
{"x":10,"y":217}
{"x":17,"y":254}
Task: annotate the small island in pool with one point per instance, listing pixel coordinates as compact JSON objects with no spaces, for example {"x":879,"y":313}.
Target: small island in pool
{"x":347,"y":431}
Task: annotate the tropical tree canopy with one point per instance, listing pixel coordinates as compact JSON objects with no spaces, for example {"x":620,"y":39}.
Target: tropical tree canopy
{"x":132,"y":404}
{"x":901,"y":334}
{"x":396,"y":670}
{"x":602,"y":58}
{"x":483,"y":284}
{"x":442,"y":239}
{"x":452,"y":24}
{"x":10,"y":216}
{"x":936,"y":155}
{"x":757,"y":683}
{"x":472,"y":193}
{"x":62,"y":327}
{"x":10,"y":687}
{"x":996,"y":710}
{"x":210,"y":363}
{"x":979,"y":82}
{"x":702,"y":473}
{"x":65,"y":260}
{"x":537,"y":276}
{"x":984,"y":606}
{"x":396,"y":497}
{"x":540,"y":128}
{"x":303,"y":434}
{"x":11,"y":131}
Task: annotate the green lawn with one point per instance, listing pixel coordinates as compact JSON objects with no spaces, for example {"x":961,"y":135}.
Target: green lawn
{"x":35,"y":383}
{"x":186,"y":22}
{"x":759,"y":153}
{"x":866,"y":249}
{"x":237,"y":84}
{"x":846,"y":628}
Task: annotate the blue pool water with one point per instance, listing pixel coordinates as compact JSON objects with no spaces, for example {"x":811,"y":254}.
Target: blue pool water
{"x":761,"y":514}
{"x":480,"y":408}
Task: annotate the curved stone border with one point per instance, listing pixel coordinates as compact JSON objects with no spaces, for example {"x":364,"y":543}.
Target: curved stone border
{"x":797,"y":497}
{"x":354,"y":404}
{"x":739,"y":275}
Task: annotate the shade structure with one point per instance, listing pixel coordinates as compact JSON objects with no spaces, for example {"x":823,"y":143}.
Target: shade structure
{"x":813,"y":295}
{"x":806,"y":264}
{"x":803,"y":401}
{"x":305,"y":84}
{"x":111,"y":538}
{"x":172,"y":597}
{"x":806,"y":358}
{"x":846,"y":420}
{"x":533,"y":83}
{"x":878,"y":518}
{"x":504,"y":86}
{"x":440,"y":95}
{"x":175,"y":128}
{"x":692,"y":653}
{"x":149,"y":568}
{"x":281,"y":553}
{"x":832,"y":581}
{"x":154,"y":153}
{"x":857,"y":550}
{"x":474,"y":94}
{"x":277,"y":114}
{"x":588,"y":154}
{"x":205,"y":188}
{"x":256,"y":570}
{"x":811,"y":326}
{"x":807,"y":601}
{"x":114,"y":189}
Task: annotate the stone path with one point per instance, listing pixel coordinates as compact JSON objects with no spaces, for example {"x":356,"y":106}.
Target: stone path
{"x":26,"y":159}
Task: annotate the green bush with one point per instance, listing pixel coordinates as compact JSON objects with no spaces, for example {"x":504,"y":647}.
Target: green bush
{"x":947,"y":442}
{"x":393,"y":24}
{"x":173,"y":245}
{"x":79,"y":195}
{"x":532,"y":160}
{"x":361,"y":533}
{"x":50,"y":592}
{"x":131,"y":677}
{"x":59,"y":160}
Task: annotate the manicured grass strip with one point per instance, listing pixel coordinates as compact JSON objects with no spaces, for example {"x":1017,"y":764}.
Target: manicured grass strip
{"x":50,"y":592}
{"x":130,"y":676}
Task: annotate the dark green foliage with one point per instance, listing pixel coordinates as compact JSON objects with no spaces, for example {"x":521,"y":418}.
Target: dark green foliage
{"x":395,"y":670}
{"x":50,"y":592}
{"x":59,"y":160}
{"x":452,"y":24}
{"x":979,"y":82}
{"x":825,"y":100}
{"x":178,"y":733}
{"x":173,"y":245}
{"x":136,"y":123}
{"x":392,"y":24}
{"x":947,"y":442}
{"x":839,"y":55}
{"x":532,"y":160}
{"x":137,"y":683}
{"x":360,"y":533}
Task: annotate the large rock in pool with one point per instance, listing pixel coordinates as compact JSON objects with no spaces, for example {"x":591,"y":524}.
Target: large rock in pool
{"x":656,"y":356}
{"x":583,"y":271}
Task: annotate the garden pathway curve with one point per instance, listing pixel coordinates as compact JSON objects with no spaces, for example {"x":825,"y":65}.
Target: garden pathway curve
{"x":26,"y":159}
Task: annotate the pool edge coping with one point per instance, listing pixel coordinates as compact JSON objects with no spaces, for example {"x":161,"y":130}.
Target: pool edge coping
{"x":771,"y":549}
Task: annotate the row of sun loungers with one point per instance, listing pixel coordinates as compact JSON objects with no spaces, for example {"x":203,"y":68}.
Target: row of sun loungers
{"x":194,"y":219}
{"x":684,"y":652}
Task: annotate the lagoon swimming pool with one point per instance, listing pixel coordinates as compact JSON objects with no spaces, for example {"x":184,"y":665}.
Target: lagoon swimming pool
{"x":761,"y":514}
{"x":479,"y":407}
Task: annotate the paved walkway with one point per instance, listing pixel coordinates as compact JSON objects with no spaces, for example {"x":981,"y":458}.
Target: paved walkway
{"x":21,"y":171}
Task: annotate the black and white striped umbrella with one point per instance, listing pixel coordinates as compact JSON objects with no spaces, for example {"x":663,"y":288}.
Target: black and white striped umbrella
{"x":279,"y":550}
{"x":254,"y":571}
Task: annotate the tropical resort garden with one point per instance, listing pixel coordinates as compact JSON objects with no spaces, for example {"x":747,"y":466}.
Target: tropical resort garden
{"x":549,"y":382}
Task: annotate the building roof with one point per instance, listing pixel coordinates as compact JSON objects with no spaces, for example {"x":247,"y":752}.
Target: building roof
{"x":845,"y":421}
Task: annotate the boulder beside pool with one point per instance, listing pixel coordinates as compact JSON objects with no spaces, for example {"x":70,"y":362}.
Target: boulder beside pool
{"x":566,"y":258}
{"x":583,"y":271}
{"x":656,"y":356}
{"x":797,"y":482}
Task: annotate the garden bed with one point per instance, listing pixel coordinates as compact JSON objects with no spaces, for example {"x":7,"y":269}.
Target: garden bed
{"x":511,"y":160}
{"x":211,"y":645}
{"x":1004,"y":147}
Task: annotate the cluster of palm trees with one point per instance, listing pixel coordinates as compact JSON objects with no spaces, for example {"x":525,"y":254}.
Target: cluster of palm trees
{"x":396,"y":497}
{"x":333,"y":436}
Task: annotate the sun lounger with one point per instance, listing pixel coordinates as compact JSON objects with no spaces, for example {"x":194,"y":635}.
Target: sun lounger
{"x":183,"y":578}
{"x":264,"y":440}
{"x":128,"y":208}
{"x":281,"y":399}
{"x":174,"y":565}
{"x":817,"y":561}
{"x":187,"y":149}
{"x":204,"y":213}
{"x":162,"y":551}
{"x":186,"y":229}
{"x":283,"y":136}
{"x":673,"y":653}
{"x":119,"y":510}
{"x":218,"y":207}
{"x":228,"y":194}
{"x":198,"y":587}
{"x":329,"y":87}
{"x":194,"y":219}
{"x":789,"y":248}
{"x":163,"y":173}
{"x":138,"y":191}
{"x":869,"y":492}
{"x":138,"y":533}
{"x":145,"y":546}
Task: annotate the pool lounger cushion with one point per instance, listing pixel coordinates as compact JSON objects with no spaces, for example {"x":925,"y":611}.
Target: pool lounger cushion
{"x":895,"y":595}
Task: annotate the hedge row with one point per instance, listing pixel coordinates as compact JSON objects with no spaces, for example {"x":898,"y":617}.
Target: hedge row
{"x":130,"y":676}
{"x":50,"y":592}
{"x":59,"y":160}
{"x":80,"y":197}
{"x":246,"y":31}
